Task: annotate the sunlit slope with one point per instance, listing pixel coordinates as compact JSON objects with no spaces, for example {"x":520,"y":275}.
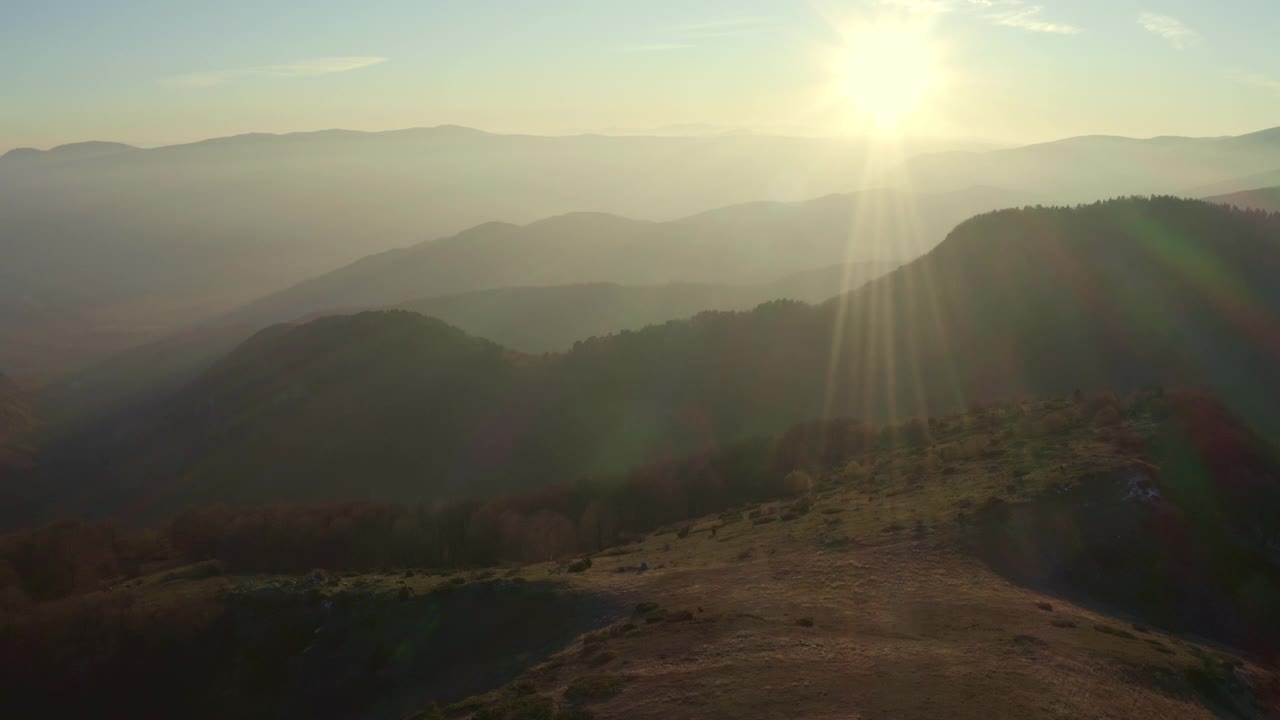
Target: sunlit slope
{"x":1116,"y":296}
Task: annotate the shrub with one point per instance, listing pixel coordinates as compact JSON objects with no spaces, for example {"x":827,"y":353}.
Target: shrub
{"x":683,"y":532}
{"x":531,"y":707}
{"x":1108,"y":416}
{"x":805,"y":622}
{"x":593,"y":688}
{"x":465,"y":706}
{"x":1108,"y":630}
{"x":580,"y":565}
{"x":914,"y":432}
{"x":797,"y":483}
{"x":602,"y":659}
{"x":646,"y":607}
{"x":1052,"y":423}
{"x":853,"y":471}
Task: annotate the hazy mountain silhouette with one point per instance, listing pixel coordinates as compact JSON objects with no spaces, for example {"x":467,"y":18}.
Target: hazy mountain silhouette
{"x":1267,"y":198}
{"x":1034,"y":301}
{"x":1087,"y":168}
{"x":107,"y":246}
{"x":551,"y":319}
{"x":748,"y":243}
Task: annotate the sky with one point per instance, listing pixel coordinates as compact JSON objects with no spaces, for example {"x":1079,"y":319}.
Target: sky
{"x":154,"y":72}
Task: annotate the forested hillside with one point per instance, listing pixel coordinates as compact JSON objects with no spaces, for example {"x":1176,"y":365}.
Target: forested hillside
{"x":1116,"y":295}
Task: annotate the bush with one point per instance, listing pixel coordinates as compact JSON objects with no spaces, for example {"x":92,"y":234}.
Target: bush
{"x":797,"y":483}
{"x":531,"y":707}
{"x":1052,"y":423}
{"x":581,"y":565}
{"x":593,"y":688}
{"x":1108,"y":416}
{"x":1108,"y":630}
{"x":853,"y":472}
{"x":465,"y":706}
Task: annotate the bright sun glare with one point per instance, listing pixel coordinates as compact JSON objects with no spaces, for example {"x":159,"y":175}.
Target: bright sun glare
{"x":886,"y":71}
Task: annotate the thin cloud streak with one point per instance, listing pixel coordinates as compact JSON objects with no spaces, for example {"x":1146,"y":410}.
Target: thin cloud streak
{"x":1169,"y":28}
{"x":1258,"y":80}
{"x":1008,"y":13}
{"x":688,"y":35}
{"x":656,"y":47}
{"x":314,"y":67}
{"x":1028,"y":18}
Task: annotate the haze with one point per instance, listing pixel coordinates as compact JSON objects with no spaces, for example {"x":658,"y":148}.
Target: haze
{"x":560,"y":360}
{"x":149,"y":74}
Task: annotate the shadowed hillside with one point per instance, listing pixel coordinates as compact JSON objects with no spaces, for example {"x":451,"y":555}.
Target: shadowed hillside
{"x":525,"y":319}
{"x":1114,"y":295}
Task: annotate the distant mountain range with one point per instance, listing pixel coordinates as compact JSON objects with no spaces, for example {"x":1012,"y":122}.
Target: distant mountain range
{"x":1267,"y":198}
{"x":553,"y":318}
{"x":1115,"y":295}
{"x":749,"y":243}
{"x":1083,"y":169}
{"x":108,"y":246}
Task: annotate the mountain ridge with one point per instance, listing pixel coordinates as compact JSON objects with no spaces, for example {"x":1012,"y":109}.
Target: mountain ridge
{"x":980,"y":318}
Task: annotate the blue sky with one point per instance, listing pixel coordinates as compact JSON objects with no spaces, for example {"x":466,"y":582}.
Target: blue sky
{"x":151,"y":72}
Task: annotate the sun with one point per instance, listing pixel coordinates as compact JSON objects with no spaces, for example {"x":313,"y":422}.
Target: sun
{"x":886,"y":71}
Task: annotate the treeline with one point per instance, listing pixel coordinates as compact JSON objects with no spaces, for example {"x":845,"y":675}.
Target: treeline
{"x":74,"y":556}
{"x":553,"y":522}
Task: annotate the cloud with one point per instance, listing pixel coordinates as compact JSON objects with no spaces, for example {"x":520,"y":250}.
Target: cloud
{"x":1009,"y":13}
{"x":715,"y":28}
{"x":920,"y":7}
{"x":1169,"y":28}
{"x":1258,"y":80}
{"x":314,"y":67}
{"x":656,"y":47}
{"x":1025,"y":17}
{"x":691,"y":34}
